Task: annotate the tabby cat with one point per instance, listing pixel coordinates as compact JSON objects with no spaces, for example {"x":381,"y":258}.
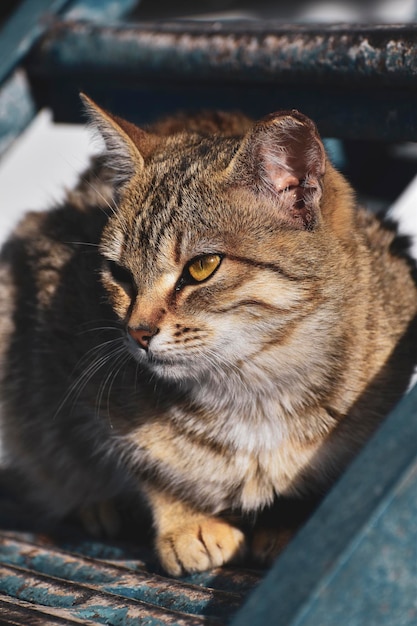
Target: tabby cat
{"x":209,"y":321}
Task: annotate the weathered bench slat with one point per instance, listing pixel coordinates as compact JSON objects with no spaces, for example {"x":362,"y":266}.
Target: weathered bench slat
{"x":136,"y":584}
{"x":356,"y":81}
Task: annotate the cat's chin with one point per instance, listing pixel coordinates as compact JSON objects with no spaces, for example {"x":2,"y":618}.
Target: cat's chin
{"x":175,"y":372}
{"x":164,"y":367}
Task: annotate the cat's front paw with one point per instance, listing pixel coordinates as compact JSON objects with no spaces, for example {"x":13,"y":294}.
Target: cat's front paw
{"x":100,"y":519}
{"x":201,"y":544}
{"x":268,"y":543}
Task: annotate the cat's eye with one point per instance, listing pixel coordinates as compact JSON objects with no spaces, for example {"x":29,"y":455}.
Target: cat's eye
{"x":203,"y":267}
{"x":121,"y":276}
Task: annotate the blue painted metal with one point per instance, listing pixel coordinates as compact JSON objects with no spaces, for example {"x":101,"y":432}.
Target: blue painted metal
{"x":17,"y":108}
{"x":118,"y":580}
{"x":355,"y":561}
{"x":343,"y":78}
{"x":14,"y":611}
{"x":86,"y":602}
{"x":236,"y":580}
{"x":30,"y":20}
{"x":100,"y":11}
{"x":19,"y":33}
{"x":251,"y":52}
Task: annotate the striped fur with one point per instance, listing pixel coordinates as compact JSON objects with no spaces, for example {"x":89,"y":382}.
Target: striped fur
{"x":261,"y":381}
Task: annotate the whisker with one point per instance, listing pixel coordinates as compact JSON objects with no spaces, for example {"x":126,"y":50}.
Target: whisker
{"x":82,"y":243}
{"x":84,"y":178}
{"x":79,"y":384}
{"x":119,"y":355}
{"x":97,"y":320}
{"x":232,"y":368}
{"x":113,"y":207}
{"x":96,"y":329}
{"x":125,"y":358}
{"x":96,"y":348}
{"x":91,"y":371}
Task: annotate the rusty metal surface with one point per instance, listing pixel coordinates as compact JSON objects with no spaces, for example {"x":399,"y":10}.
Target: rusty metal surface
{"x":13,"y":611}
{"x":356,"y":82}
{"x":255,"y":52}
{"x":73,"y":580}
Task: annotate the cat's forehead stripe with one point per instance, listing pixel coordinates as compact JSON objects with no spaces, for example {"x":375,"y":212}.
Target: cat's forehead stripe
{"x":169,"y":181}
{"x":162,"y":207}
{"x":157,"y":218}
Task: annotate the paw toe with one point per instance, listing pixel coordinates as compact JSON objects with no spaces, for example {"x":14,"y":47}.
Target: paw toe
{"x":200,"y":546}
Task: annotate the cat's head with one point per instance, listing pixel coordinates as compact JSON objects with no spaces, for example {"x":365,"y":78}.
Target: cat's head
{"x":215,"y":254}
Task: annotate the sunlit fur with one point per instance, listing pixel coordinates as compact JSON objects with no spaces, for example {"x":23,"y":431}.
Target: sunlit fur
{"x":263,"y":380}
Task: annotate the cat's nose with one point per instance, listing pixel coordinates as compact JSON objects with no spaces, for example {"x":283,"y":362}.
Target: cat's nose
{"x":142,"y":335}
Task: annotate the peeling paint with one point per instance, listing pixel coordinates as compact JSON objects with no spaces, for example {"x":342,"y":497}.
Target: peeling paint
{"x":43,"y":574}
{"x":247,"y":53}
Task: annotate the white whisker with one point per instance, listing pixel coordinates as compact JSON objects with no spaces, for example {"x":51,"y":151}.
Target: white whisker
{"x":113,"y":207}
{"x":96,"y":329}
{"x":119,"y":356}
{"x":231,"y":368}
{"x":79,"y":384}
{"x":82,"y":243}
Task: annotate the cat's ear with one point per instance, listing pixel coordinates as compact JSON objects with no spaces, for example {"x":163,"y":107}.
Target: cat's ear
{"x":126,"y":145}
{"x":282,"y":157}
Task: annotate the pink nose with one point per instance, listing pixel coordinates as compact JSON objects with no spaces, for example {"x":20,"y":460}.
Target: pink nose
{"x":142,"y":335}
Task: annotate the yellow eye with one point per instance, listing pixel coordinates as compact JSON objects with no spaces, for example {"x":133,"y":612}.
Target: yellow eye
{"x":204,"y":266}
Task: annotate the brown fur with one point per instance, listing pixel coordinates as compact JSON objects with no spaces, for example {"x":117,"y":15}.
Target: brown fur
{"x":262,"y":381}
